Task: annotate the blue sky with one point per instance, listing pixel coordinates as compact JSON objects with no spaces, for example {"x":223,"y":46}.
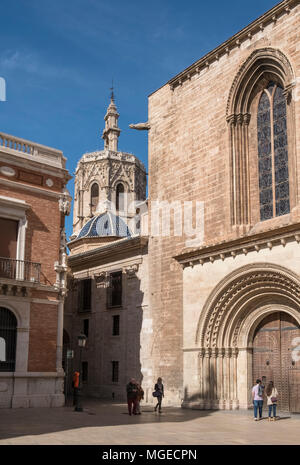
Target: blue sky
{"x":58,"y":58}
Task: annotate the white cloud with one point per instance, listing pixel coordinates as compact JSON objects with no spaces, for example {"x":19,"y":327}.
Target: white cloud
{"x":31,"y":63}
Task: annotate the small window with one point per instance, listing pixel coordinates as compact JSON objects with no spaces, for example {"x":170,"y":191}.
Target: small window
{"x":115,"y":289}
{"x":115,"y":372}
{"x":84,"y":295}
{"x":86,"y":327}
{"x":85,"y":369}
{"x":94,"y":196}
{"x":116,"y":325}
{"x":120,"y":197}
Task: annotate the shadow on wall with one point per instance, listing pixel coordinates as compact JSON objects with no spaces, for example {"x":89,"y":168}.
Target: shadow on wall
{"x":207,"y":395}
{"x":113,"y":347}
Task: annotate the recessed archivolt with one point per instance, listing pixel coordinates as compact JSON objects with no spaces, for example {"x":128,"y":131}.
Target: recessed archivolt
{"x":262,"y":61}
{"x":241,"y":293}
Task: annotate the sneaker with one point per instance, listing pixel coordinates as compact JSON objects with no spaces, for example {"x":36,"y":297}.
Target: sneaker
{"x":255,"y":419}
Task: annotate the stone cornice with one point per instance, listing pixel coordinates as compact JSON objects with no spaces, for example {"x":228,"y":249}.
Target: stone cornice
{"x":225,"y":48}
{"x":107,"y":253}
{"x":242,"y":245}
{"x":29,"y":187}
{"x":124,"y":157}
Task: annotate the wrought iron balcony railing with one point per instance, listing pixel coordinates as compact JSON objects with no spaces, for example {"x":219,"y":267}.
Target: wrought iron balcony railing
{"x":21,"y":270}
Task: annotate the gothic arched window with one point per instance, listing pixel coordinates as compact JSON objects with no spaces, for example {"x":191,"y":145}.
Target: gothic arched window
{"x":8,"y":339}
{"x":94,"y":196}
{"x":120,"y":197}
{"x":272,"y":153}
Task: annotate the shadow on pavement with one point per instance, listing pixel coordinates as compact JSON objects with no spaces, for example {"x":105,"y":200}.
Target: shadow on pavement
{"x":96,"y":413}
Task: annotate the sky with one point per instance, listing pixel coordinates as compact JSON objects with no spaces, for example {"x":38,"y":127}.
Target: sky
{"x":58,"y":59}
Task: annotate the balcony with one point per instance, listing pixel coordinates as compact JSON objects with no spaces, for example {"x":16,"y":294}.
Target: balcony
{"x":20,"y":270}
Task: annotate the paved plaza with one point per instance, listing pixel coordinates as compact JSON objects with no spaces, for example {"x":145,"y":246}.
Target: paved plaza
{"x":109,"y":423}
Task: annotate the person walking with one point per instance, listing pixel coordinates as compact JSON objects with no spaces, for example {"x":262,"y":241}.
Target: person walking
{"x":131,"y":390}
{"x":272,"y":396}
{"x":159,"y":390}
{"x":140,"y":396}
{"x":257,"y":397}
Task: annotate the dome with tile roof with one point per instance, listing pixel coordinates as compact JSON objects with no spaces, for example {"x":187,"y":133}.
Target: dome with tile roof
{"x":105,"y":224}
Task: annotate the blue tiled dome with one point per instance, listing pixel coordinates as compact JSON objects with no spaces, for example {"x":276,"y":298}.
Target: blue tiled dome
{"x":106,"y":224}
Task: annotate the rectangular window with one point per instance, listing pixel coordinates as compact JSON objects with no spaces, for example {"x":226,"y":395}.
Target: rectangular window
{"x":115,"y":371}
{"x":115,"y":289}
{"x":86,"y":327}
{"x":9,"y":236}
{"x":84,"y":372}
{"x":84,"y":295}
{"x":116,"y":325}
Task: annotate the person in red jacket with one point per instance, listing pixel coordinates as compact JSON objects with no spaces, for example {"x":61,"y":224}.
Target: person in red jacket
{"x":75,"y":385}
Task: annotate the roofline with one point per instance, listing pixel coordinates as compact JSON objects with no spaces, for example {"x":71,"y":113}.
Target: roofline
{"x":106,"y":251}
{"x":255,"y":26}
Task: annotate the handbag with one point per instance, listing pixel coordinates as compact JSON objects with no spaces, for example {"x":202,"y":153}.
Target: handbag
{"x":155,"y":393}
{"x":273,"y":400}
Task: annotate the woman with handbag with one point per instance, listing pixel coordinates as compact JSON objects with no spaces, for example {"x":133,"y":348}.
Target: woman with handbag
{"x":272,"y":395}
{"x":158,"y":393}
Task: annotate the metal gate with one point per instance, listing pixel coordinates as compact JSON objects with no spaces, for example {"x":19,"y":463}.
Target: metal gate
{"x":274,"y":358}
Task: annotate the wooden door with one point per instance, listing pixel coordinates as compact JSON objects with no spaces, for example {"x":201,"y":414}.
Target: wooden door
{"x":273,"y":358}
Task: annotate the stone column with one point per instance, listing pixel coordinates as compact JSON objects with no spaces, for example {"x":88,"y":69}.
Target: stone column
{"x":228,"y":378}
{"x":220,"y":376}
{"x":201,"y":376}
{"x":213,"y":373}
{"x":235,"y":402}
{"x":206,"y":376}
{"x":59,"y":343}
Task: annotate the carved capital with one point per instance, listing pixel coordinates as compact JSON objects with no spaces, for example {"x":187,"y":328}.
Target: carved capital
{"x":101,"y":279}
{"x":131,"y":271}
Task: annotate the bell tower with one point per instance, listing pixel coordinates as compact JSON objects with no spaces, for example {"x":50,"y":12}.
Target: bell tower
{"x":107,"y":175}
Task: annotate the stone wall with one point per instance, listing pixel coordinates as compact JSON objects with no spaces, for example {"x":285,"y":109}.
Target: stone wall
{"x":189,"y":159}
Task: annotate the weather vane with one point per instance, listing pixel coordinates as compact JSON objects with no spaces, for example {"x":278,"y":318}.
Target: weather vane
{"x":112,"y":91}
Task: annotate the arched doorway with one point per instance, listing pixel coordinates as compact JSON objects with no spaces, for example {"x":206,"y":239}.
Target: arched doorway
{"x":275,"y":357}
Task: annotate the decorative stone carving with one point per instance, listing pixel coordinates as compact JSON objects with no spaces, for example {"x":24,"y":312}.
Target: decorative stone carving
{"x":131,"y":271}
{"x":7,"y":171}
{"x":102,"y":279}
{"x":65,"y":202}
{"x":49,"y":182}
{"x":223,"y":303}
{"x":140,"y":126}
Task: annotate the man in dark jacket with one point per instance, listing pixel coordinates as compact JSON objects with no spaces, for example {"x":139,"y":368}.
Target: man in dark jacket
{"x":132,"y":393}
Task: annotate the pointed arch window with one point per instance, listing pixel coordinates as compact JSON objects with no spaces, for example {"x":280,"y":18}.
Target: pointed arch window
{"x":120,"y":197}
{"x":273,"y":153}
{"x":94,"y":196}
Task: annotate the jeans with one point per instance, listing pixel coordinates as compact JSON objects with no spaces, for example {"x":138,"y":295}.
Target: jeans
{"x":258,"y":404}
{"x":273,"y":406}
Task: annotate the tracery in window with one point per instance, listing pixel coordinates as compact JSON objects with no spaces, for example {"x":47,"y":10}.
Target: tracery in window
{"x":272,"y":153}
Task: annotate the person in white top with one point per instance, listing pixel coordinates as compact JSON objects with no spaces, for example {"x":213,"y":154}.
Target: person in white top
{"x":257,"y":397}
{"x":272,"y":396}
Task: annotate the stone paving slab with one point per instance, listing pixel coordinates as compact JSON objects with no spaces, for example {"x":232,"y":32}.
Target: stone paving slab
{"x":109,"y":424}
